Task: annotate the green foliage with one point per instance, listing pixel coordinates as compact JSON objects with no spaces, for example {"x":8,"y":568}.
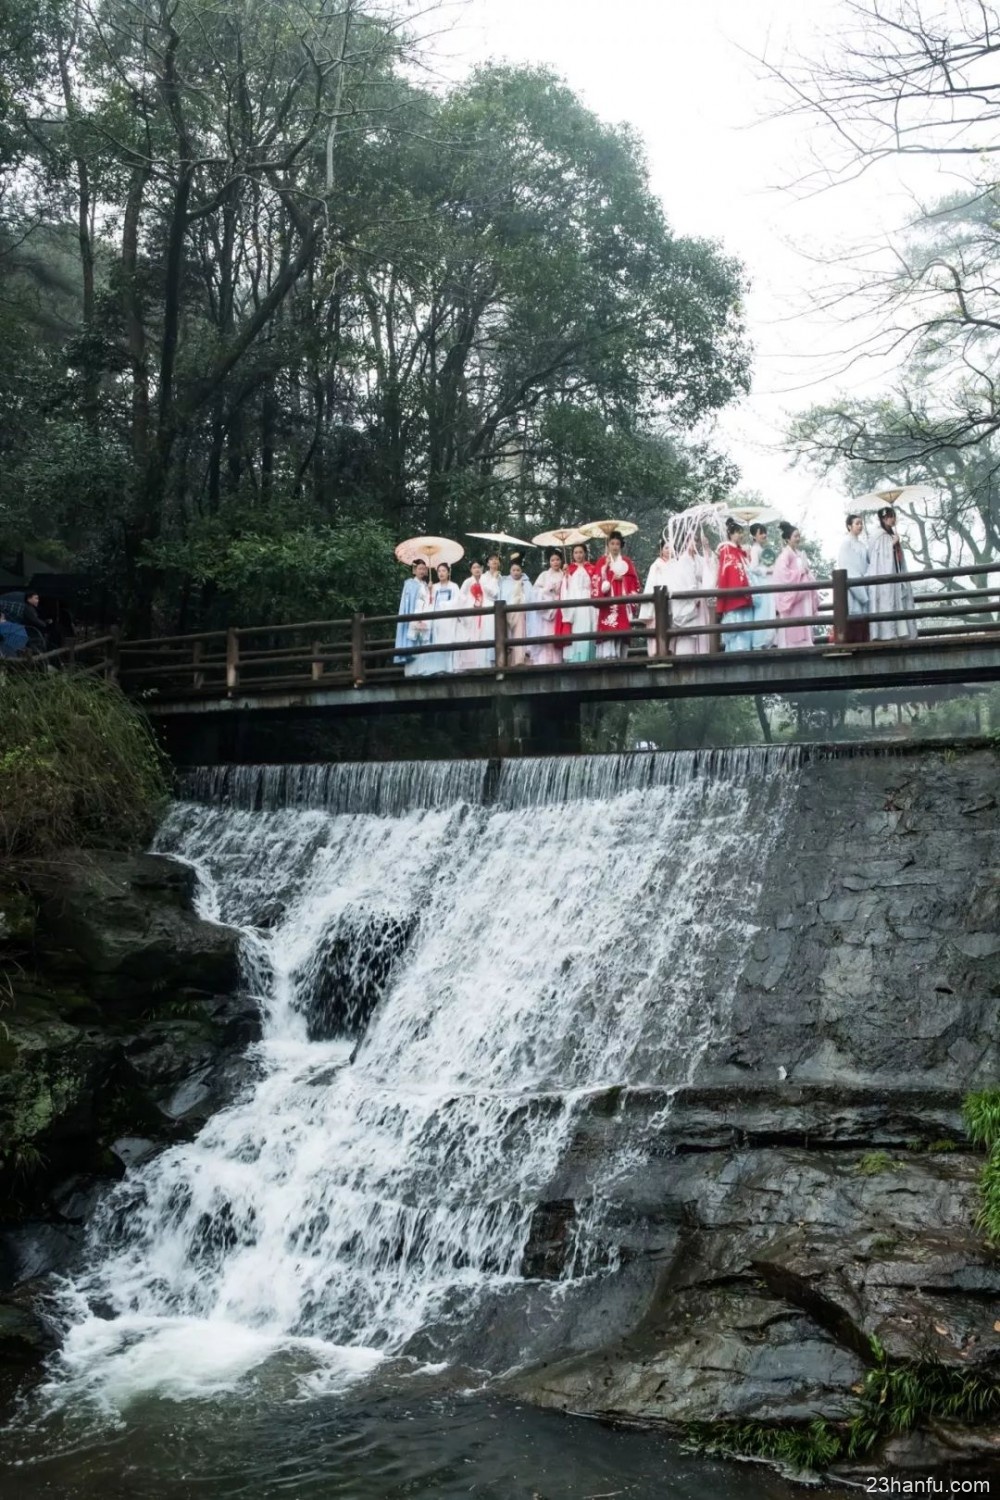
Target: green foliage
{"x":696,"y":723}
{"x":473,"y":315}
{"x":897,"y":1397}
{"x":801,"y":1449}
{"x":292,"y":571}
{"x":981,"y":1114}
{"x":893,"y":1397}
{"x":78,"y":765}
{"x":876,"y":1164}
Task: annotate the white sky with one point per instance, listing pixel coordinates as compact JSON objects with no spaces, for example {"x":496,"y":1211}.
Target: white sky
{"x":722,"y":165}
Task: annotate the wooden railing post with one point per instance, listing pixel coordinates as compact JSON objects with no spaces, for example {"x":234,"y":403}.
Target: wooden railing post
{"x":358,"y":649}
{"x":232,"y":660}
{"x":500,"y":635}
{"x":113,"y":659}
{"x":840,"y":610}
{"x":197,"y":651}
{"x":317,"y":665}
{"x":661,"y":620}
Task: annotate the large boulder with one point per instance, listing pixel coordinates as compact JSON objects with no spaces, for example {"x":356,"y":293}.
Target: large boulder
{"x":123,"y":924}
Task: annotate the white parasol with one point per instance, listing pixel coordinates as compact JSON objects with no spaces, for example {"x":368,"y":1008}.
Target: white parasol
{"x":603,"y":529}
{"x":765,"y":514}
{"x":500,"y":537}
{"x":910,"y":494}
{"x":432,"y":549}
{"x":560,"y":536}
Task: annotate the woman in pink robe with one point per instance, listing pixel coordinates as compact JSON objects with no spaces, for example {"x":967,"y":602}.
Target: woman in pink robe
{"x":793,"y":603}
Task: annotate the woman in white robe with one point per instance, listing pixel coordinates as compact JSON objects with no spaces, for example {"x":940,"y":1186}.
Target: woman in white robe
{"x":491,"y":580}
{"x":885,"y":555}
{"x":478,"y":628}
{"x":515,"y":588}
{"x":658,"y":577}
{"x":684,"y":577}
{"x":707,"y":569}
{"x":548,"y":591}
{"x":444,"y":633}
{"x":578,"y":585}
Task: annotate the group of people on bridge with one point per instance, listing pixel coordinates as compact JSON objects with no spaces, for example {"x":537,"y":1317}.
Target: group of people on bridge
{"x":579,"y":611}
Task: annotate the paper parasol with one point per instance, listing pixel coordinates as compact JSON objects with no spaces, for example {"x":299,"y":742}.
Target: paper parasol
{"x":433,"y":550}
{"x":910,"y":494}
{"x":501,"y":537}
{"x":560,"y":536}
{"x":750,"y":513}
{"x":605,"y":528}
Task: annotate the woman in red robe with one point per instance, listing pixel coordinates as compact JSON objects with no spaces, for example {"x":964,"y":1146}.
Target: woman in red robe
{"x":736,"y":608}
{"x":617,"y":579}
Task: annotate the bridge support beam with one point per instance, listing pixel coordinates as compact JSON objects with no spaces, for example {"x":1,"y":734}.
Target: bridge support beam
{"x":537,"y":725}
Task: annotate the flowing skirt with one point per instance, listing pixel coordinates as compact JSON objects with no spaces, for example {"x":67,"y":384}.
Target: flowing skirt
{"x":478,"y":628}
{"x":763,"y":609}
{"x":738,"y":640}
{"x":796,"y":635}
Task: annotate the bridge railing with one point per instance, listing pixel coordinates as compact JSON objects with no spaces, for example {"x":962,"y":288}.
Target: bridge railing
{"x":353,"y":651}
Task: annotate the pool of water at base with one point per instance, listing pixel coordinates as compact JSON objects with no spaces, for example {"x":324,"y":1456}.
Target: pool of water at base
{"x":383,"y":1448}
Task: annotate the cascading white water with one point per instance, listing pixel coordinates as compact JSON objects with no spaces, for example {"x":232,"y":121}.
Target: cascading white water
{"x":579,"y":929}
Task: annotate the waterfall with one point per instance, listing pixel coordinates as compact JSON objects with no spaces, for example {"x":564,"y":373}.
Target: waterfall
{"x":451,"y":960}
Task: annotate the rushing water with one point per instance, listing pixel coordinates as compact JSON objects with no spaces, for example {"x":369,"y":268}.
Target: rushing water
{"x":451,"y":960}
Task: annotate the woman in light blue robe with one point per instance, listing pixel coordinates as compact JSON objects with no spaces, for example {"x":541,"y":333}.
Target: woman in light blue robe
{"x":415,"y":598}
{"x":763,"y":604}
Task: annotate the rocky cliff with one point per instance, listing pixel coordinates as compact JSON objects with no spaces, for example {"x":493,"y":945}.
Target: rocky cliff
{"x":806,"y":1207}
{"x":121,"y":1027}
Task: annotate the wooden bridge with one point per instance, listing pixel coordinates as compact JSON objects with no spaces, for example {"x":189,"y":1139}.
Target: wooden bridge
{"x":345,"y":668}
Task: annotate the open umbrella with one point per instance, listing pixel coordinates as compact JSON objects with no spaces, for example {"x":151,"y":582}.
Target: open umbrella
{"x":433,"y":549}
{"x":910,"y":494}
{"x":605,"y":528}
{"x":500,"y":537}
{"x":762,"y":513}
{"x":560,"y":536}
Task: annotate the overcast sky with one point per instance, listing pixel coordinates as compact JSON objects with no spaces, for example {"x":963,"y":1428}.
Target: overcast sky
{"x":723,"y":165}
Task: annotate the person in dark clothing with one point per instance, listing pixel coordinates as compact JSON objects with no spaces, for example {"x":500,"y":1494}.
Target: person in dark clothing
{"x":25,"y":612}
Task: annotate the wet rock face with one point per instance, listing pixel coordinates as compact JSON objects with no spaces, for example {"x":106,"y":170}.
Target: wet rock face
{"x":348,"y":972}
{"x":124,"y":1029}
{"x":813,"y":1187}
{"x":124,"y":923}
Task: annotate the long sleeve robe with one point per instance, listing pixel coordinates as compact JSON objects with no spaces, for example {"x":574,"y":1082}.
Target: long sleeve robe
{"x":477,"y":628}
{"x":548,"y":590}
{"x":517,"y":591}
{"x":579,"y":584}
{"x":793,"y":603}
{"x":853,"y":558}
{"x":885,"y":555}
{"x":616,"y":579}
{"x":735,"y":608}
{"x":658,"y":577}
{"x":763,"y":604}
{"x":444,"y":632}
{"x":415,"y":598}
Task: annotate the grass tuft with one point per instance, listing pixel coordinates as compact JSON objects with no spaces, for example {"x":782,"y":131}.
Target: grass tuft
{"x":78,"y":765}
{"x":981,"y":1113}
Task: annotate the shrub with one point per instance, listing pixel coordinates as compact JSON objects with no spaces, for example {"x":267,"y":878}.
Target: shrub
{"x":78,"y":764}
{"x":981,"y":1112}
